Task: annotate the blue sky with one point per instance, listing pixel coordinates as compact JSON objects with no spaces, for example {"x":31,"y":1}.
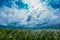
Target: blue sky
{"x":30,"y":13}
{"x":9,"y":3}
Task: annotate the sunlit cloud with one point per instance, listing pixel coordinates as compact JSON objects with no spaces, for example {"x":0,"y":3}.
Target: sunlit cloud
{"x":29,"y":13}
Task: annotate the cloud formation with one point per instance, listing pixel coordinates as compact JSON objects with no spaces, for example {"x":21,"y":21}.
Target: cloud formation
{"x":29,"y":13}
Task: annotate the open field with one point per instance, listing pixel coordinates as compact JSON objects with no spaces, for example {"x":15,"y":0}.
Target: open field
{"x":24,"y":34}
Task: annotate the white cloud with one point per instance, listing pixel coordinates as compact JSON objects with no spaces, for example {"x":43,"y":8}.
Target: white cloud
{"x":39,"y":14}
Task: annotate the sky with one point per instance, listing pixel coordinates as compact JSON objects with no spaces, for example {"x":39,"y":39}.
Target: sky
{"x":30,"y":13}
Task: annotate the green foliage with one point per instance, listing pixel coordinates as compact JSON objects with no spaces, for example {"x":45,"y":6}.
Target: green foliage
{"x":18,"y":34}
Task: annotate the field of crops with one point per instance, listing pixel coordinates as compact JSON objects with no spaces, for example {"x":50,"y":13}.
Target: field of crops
{"x":21,"y":34}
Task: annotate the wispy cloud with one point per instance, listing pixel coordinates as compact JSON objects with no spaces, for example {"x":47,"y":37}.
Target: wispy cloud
{"x":29,"y":12}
